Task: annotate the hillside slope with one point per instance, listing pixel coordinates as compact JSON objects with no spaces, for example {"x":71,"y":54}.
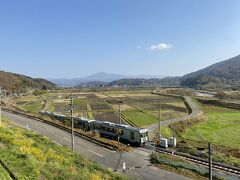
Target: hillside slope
{"x":225,"y":72}
{"x":97,"y":79}
{"x":32,"y":156}
{"x":217,"y":75}
{"x":18,"y":83}
{"x":167,"y":81}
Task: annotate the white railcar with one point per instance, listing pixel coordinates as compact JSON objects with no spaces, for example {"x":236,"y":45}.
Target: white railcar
{"x":124,"y":133}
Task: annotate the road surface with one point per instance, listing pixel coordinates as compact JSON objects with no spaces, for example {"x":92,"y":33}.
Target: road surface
{"x":137,"y":162}
{"x":195,"y":112}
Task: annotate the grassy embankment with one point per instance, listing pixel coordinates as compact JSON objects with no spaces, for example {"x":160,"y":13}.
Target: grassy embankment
{"x":32,"y":156}
{"x":183,"y":167}
{"x":31,"y":104}
{"x":221,"y":127}
{"x":4,"y":174}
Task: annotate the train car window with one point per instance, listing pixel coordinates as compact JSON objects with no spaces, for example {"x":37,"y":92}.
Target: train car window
{"x":122,"y":133}
{"x":119,"y":132}
{"x":132,"y":137}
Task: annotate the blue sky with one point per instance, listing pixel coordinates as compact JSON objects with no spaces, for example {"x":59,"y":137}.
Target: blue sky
{"x":75,"y":38}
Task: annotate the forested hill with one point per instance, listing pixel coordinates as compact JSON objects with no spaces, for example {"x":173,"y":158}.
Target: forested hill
{"x":18,"y":83}
{"x":220,"y":74}
{"x":168,"y":81}
{"x":224,"y":72}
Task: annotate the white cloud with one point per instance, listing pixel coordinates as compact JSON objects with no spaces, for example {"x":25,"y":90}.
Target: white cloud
{"x":139,"y":47}
{"x":159,"y":46}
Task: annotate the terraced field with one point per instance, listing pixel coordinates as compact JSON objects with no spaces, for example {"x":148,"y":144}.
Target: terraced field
{"x":137,"y":107}
{"x":101,"y":110}
{"x":142,"y":107}
{"x":32,"y":104}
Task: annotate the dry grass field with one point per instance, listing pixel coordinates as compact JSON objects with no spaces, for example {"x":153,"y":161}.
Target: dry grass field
{"x":137,"y":106}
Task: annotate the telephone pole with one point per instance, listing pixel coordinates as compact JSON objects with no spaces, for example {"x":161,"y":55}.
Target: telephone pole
{"x":0,"y":105}
{"x":210,"y":160}
{"x":72,"y":122}
{"x":120,"y":118}
{"x":159,"y":122}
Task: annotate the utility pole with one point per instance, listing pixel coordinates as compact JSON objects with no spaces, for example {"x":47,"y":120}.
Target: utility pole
{"x":120,"y":118}
{"x":72,"y":122}
{"x":0,"y":105}
{"x":210,"y":160}
{"x":159,"y":122}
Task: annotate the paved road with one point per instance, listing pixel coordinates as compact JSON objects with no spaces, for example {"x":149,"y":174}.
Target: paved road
{"x":195,"y":112}
{"x":137,"y":162}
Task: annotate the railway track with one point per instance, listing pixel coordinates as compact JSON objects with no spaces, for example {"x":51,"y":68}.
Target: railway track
{"x":200,"y":161}
{"x":217,"y":166}
{"x":100,"y":143}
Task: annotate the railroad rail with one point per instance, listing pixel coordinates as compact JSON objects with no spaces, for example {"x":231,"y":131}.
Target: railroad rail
{"x":93,"y":140}
{"x":204,"y":162}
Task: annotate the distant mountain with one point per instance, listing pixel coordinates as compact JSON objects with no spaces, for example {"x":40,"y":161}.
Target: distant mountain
{"x":18,"y":83}
{"x":223,"y":73}
{"x":168,"y":81}
{"x":92,"y":84}
{"x":99,"y":77}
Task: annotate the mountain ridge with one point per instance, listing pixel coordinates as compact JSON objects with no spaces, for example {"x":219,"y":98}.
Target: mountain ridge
{"x":98,"y":77}
{"x":224,"y":72}
{"x":13,"y":82}
{"x":220,"y":74}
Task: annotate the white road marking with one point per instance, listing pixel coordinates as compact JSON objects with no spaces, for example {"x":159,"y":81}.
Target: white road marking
{"x":67,"y":139}
{"x":35,"y":131}
{"x":38,"y":124}
{"x":19,"y":125}
{"x":50,"y":131}
{"x":95,"y":153}
{"x":57,"y":143}
{"x":112,"y":151}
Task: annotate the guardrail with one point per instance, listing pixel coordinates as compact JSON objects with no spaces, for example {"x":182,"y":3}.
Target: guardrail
{"x":77,"y":133}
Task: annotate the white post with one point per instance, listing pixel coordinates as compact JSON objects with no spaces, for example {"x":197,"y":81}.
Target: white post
{"x":124,"y":166}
